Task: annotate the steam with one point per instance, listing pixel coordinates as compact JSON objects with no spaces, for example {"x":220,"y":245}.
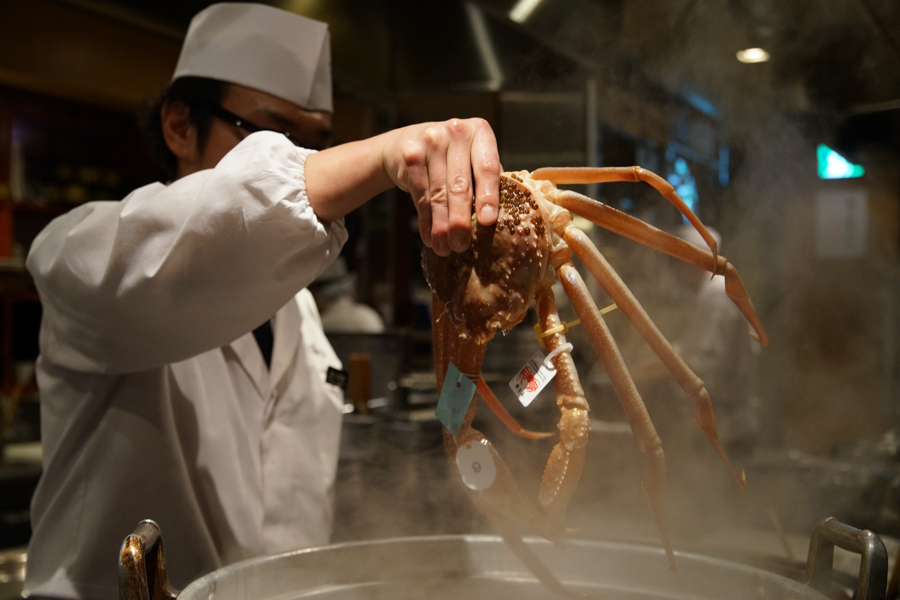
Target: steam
{"x":825,"y":381}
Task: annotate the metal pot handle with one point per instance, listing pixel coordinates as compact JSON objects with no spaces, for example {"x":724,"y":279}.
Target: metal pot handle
{"x":873,"y":565}
{"x":142,"y":566}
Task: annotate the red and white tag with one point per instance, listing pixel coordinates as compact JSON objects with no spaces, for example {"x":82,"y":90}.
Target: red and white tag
{"x":532,"y":378}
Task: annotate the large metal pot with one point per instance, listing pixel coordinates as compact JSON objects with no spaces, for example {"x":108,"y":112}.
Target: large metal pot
{"x":475,"y":566}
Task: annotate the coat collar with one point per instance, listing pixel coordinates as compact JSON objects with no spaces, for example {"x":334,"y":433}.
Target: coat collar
{"x":286,"y":329}
{"x":251,"y":360}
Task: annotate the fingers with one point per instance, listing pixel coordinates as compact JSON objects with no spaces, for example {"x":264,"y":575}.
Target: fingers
{"x":444,"y":166}
{"x":439,"y":139}
{"x":412,"y":177}
{"x":486,"y":169}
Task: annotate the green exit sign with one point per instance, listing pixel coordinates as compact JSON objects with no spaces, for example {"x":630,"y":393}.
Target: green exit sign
{"x":834,"y":166}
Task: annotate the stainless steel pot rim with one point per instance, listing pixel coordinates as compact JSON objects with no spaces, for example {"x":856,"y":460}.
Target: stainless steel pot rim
{"x":690,"y":563}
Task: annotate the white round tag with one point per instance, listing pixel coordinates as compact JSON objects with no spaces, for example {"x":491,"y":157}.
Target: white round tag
{"x":476,"y":465}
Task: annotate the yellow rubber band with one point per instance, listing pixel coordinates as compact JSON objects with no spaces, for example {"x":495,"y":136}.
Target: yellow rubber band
{"x":564,"y":328}
{"x":540,"y":335}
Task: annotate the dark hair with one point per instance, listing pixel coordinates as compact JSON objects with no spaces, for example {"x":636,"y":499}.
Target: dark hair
{"x":200,"y":95}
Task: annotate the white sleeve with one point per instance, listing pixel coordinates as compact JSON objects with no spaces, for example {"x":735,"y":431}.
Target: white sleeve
{"x":173,"y":271}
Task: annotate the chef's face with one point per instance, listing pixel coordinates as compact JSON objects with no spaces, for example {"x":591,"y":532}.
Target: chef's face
{"x":305,"y":128}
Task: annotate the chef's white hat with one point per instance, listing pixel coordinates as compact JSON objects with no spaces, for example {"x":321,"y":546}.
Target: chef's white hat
{"x":261,"y":47}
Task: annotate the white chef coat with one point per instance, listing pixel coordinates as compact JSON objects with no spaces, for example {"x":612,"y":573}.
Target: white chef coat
{"x":156,"y":402}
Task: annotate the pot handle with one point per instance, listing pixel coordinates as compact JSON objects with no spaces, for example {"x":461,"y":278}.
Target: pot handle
{"x":873,"y":565}
{"x":142,"y":566}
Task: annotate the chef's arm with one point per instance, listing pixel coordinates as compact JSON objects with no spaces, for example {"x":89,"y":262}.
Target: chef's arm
{"x":442,"y":165}
{"x":173,"y":271}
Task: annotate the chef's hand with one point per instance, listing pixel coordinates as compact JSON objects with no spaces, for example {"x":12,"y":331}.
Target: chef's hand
{"x":443,"y":166}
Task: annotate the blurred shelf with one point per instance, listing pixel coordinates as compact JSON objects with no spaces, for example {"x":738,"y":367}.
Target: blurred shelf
{"x":36,"y":207}
{"x":13,"y":264}
{"x":22,"y":453}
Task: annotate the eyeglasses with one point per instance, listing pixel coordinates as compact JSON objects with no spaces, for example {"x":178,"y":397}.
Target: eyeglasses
{"x":240,"y":122}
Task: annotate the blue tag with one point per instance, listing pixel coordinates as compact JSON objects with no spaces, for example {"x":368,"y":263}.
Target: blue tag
{"x":456,"y":396}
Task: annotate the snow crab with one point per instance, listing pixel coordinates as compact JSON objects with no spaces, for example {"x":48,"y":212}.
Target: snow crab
{"x":510,"y":266}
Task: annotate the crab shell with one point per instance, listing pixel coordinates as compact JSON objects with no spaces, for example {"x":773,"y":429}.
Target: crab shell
{"x":490,"y":286}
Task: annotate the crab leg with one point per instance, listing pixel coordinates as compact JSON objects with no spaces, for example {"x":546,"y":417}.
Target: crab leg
{"x":505,"y":507}
{"x":507,"y":419}
{"x":633,"y":406}
{"x":566,"y":460}
{"x":608,"y":174}
{"x":635,"y":229}
{"x":613,"y":285}
{"x":503,"y":497}
{"x":502,"y":503}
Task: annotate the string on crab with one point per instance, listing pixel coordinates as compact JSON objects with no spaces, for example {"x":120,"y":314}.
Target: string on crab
{"x":565,"y":326}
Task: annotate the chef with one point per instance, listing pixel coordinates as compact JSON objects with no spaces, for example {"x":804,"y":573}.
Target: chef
{"x":158,"y":399}
{"x":714,"y":343}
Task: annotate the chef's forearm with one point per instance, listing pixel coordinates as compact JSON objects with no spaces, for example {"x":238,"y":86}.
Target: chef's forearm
{"x":343,"y":178}
{"x":443,"y":166}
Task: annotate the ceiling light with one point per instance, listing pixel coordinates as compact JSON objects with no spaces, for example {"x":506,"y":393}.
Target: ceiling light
{"x":485,"y":47}
{"x":523,"y":9}
{"x":752,"y":55}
